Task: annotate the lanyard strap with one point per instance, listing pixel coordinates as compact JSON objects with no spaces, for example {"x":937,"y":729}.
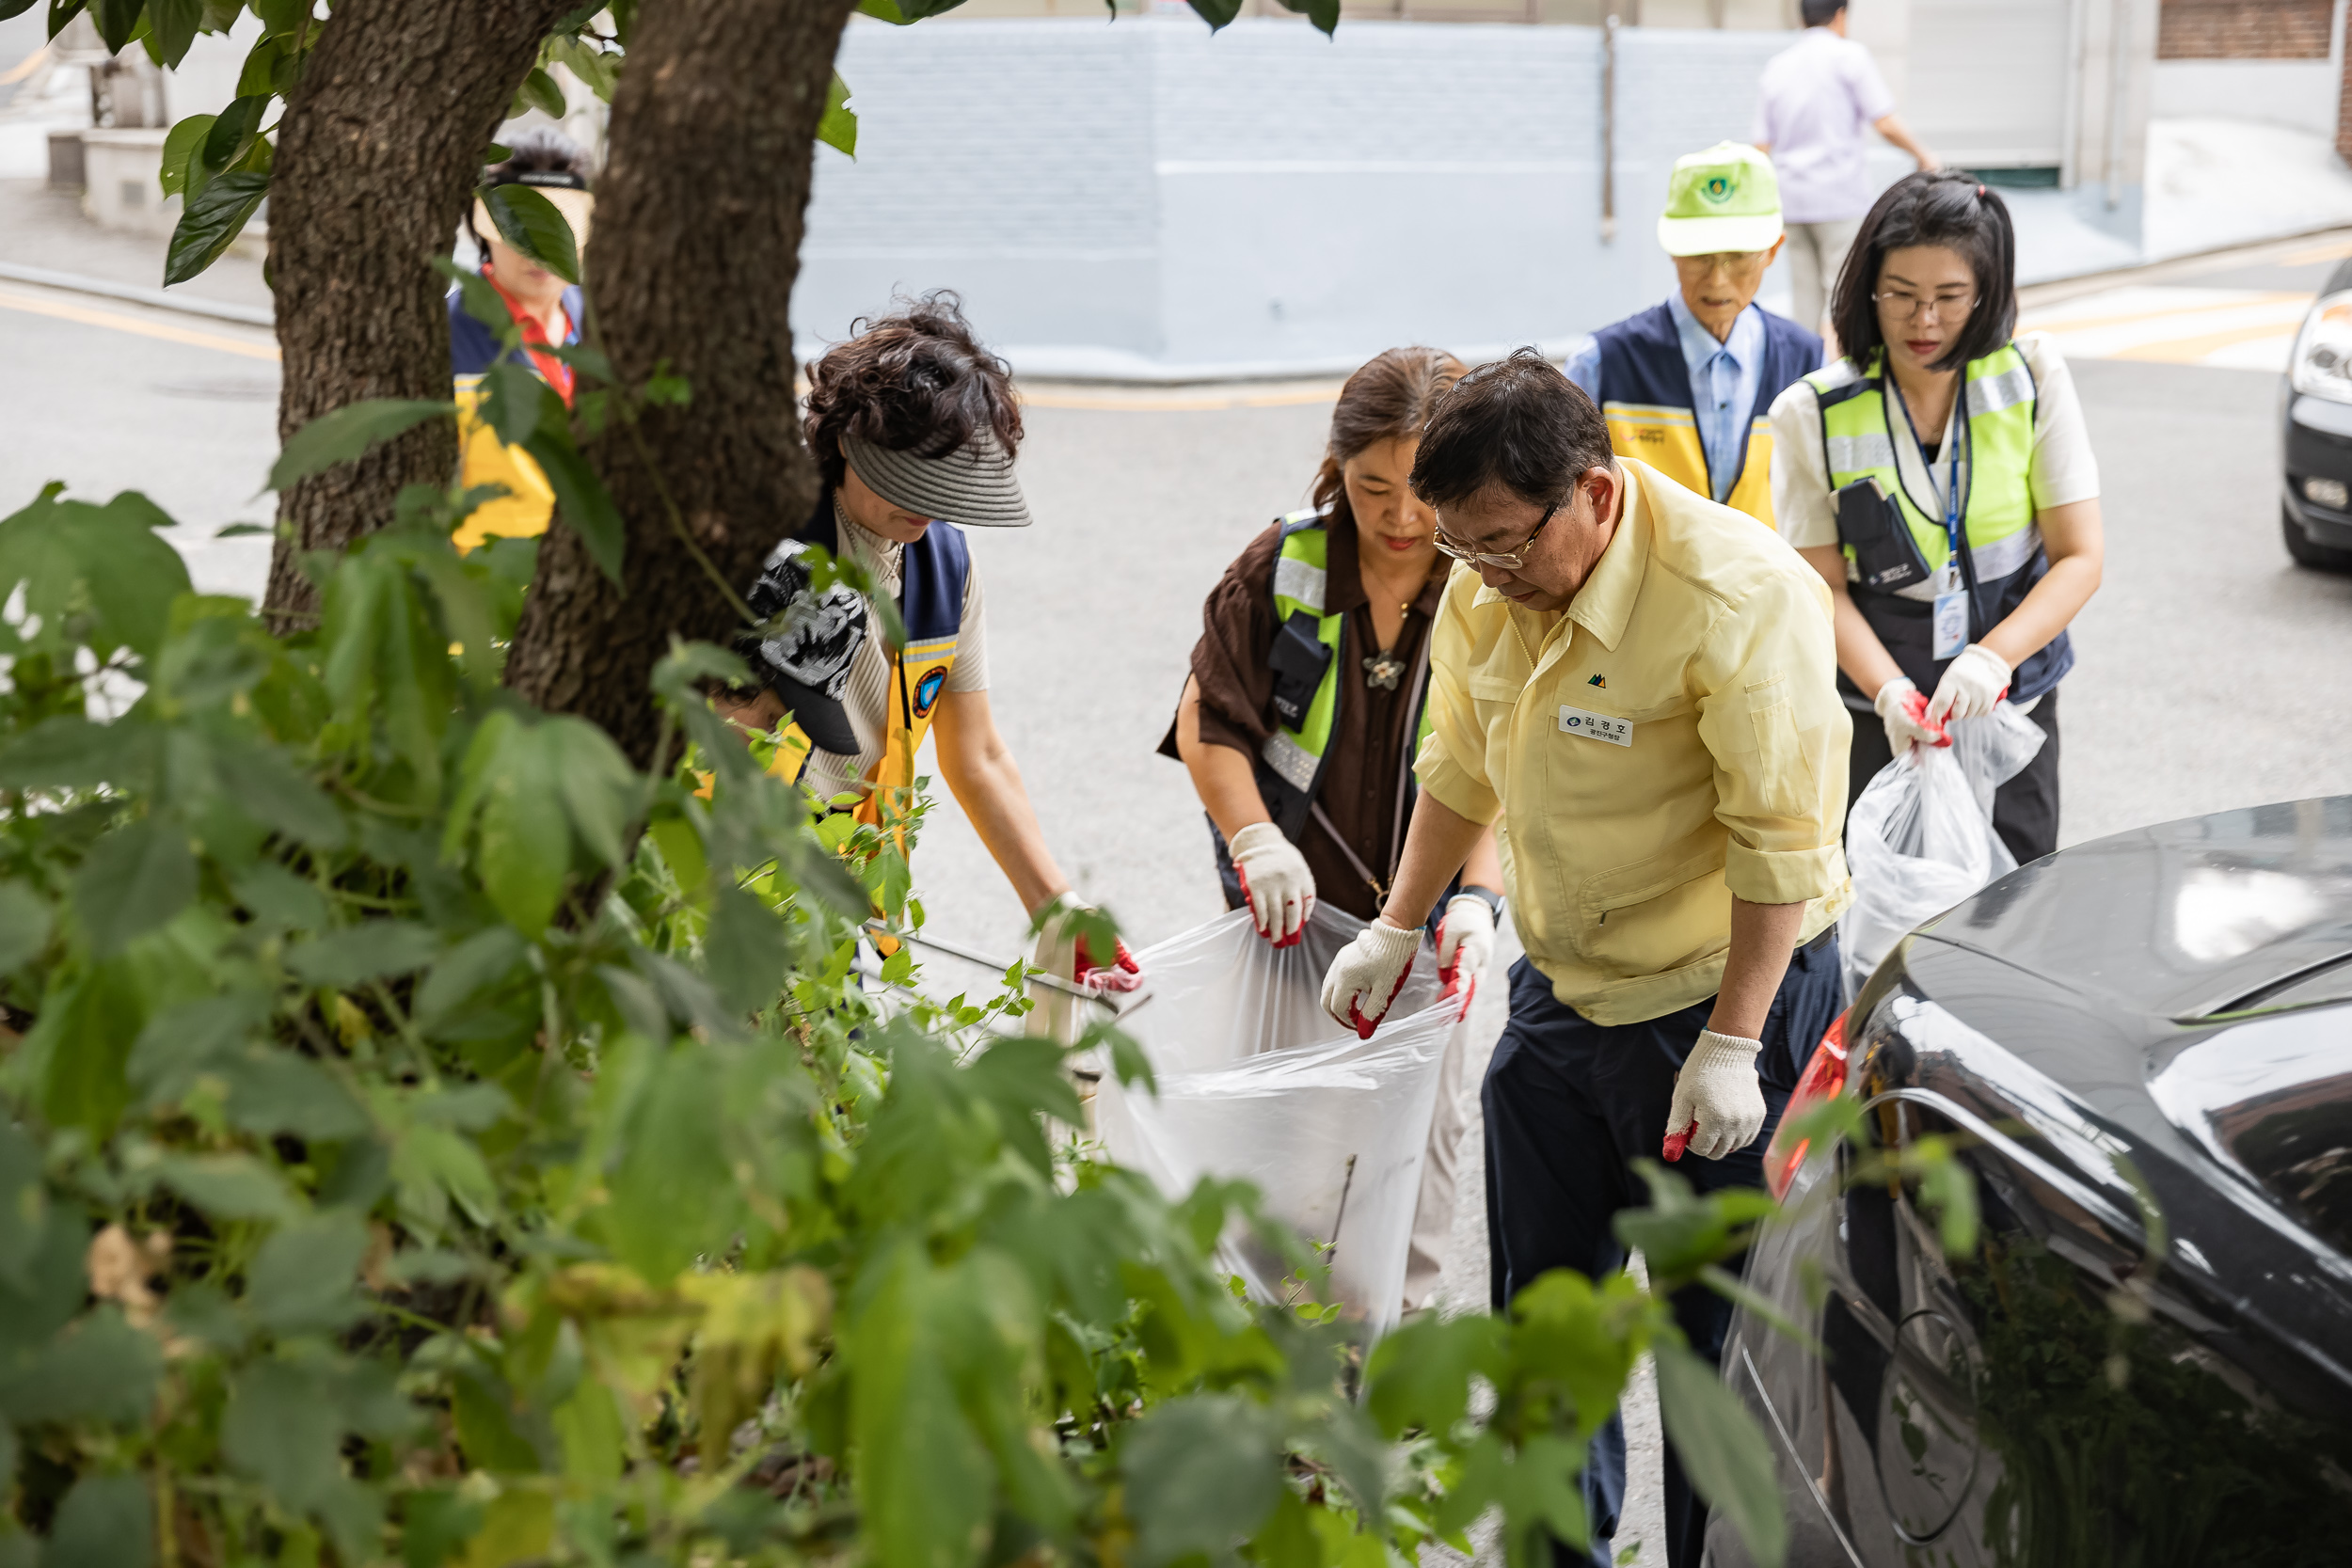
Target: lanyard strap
{"x":1960,"y":432}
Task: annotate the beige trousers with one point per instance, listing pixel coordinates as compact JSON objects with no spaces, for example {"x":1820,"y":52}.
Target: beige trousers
{"x":1815,"y":252}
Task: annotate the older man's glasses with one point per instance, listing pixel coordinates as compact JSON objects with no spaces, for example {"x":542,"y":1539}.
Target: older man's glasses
{"x":1510,"y":560}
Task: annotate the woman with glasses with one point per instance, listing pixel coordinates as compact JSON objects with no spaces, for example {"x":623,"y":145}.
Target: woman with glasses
{"x":1303,"y":712}
{"x":1941,"y":478}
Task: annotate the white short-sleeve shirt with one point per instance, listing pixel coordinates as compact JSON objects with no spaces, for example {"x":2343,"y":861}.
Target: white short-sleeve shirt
{"x":2063,"y":469}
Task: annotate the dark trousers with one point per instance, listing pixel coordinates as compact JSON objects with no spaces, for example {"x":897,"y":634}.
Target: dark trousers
{"x":1569,"y":1105}
{"x":2024,"y":810}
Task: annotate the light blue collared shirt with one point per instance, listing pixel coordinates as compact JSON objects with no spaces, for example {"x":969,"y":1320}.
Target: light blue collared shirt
{"x":1723,"y":383}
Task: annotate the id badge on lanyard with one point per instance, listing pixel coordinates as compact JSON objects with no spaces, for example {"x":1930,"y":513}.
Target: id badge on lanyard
{"x":1951,"y":594}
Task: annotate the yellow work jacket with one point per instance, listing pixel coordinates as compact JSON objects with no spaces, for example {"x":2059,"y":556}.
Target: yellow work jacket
{"x":1673,"y":739}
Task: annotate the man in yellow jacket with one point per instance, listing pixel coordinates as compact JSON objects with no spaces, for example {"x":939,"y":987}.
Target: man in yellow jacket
{"x":1636,"y":687}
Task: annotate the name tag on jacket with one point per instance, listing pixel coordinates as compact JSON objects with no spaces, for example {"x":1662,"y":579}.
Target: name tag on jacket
{"x":1595,"y":726}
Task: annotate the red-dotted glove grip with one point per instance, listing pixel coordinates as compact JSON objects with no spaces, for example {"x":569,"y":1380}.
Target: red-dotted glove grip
{"x":1125,"y":974}
{"x":1916,"y":705}
{"x":1677,"y":1142}
{"x":1364,"y":1029}
{"x":1291,"y":940}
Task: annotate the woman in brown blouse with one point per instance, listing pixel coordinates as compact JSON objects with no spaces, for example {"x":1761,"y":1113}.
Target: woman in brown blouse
{"x":1314,"y":801}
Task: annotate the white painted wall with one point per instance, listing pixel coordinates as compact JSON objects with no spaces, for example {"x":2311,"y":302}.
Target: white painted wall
{"x":2298,"y":94}
{"x":1144,"y":199}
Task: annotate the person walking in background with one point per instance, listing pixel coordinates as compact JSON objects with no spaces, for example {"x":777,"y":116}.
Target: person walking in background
{"x":548,"y":311}
{"x":1685,"y":385}
{"x":1814,"y":100}
{"x":1306,"y":704}
{"x":1940,"y":478}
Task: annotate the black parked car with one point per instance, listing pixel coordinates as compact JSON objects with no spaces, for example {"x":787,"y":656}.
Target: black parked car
{"x":2316,"y":423}
{"x":2145,"y":1045}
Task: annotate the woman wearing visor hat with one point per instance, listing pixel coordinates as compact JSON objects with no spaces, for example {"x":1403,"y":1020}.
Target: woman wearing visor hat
{"x":548,"y":311}
{"x":914,"y":427}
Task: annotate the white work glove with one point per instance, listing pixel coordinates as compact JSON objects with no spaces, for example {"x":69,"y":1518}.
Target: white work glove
{"x":1061,"y":952}
{"x":1972,"y":684}
{"x":1718,"y":1105}
{"x":1275,"y":879}
{"x":1465,"y":940}
{"x":1368,"y":974}
{"x":1904,"y":712}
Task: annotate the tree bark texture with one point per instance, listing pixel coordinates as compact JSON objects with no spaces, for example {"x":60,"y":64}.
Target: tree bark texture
{"x":699,"y":218}
{"x":377,"y":156}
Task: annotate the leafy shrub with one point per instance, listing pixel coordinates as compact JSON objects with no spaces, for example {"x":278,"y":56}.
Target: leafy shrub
{"x":430,"y":1139}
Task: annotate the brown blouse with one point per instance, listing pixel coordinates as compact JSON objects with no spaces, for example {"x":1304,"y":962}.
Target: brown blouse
{"x":1363,"y":770}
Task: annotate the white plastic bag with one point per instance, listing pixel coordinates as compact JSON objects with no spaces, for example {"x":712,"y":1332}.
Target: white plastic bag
{"x":1256,"y":1082}
{"x":1921,"y":837}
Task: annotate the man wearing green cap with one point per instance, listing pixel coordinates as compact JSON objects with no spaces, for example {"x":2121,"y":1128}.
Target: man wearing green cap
{"x":1686,"y":385}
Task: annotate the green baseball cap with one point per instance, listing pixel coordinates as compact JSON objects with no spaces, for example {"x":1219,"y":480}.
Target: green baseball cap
{"x":1724,"y":198}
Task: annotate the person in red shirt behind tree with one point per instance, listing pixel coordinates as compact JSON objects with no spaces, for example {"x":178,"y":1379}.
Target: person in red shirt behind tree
{"x":549,"y":311}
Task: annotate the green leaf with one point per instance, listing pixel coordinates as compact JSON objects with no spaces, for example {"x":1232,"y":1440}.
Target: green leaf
{"x":885,"y":10}
{"x":480,"y":300}
{"x":368,"y":951}
{"x":585,"y":504}
{"x":258,"y":77}
{"x":107,"y":1521}
{"x":275,"y":1092}
{"x":180,"y":149}
{"x":1421,"y":1372}
{"x":84,"y":1033}
{"x":229,"y":1186}
{"x":1723,"y":1450}
{"x":232,"y":131}
{"x":100,"y":1370}
{"x":131,"y":575}
{"x":68,"y":751}
{"x":540,"y":91}
{"x":300,"y":1282}
{"x":599,"y":788}
{"x":276,"y":795}
{"x":435,"y":1525}
{"x":672,"y":1191}
{"x":838,"y":129}
{"x":467,"y":970}
{"x":746,"y":952}
{"x":179,"y":1043}
{"x":211,"y":222}
{"x":171,"y":27}
{"x":24,"y":1209}
{"x":517,"y":404}
{"x":535,"y":225}
{"x":1217,"y":13}
{"x":25,"y":922}
{"x":346,"y":434}
{"x":118,"y":21}
{"x":281,"y":1430}
{"x":133,"y":879}
{"x":1202,"y":1471}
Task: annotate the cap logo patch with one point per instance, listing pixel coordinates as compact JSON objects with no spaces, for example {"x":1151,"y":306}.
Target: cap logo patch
{"x":1717,"y":189}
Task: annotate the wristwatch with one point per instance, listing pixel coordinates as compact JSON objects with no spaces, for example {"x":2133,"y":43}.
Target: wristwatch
{"x":1486,"y":895}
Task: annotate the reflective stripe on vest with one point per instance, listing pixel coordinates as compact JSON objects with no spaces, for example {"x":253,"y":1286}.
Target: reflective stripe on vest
{"x":1858,"y":442}
{"x":1299,"y":572}
{"x":1668,"y":440}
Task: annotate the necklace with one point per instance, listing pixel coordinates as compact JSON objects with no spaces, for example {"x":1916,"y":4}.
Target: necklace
{"x":1384,"y":668}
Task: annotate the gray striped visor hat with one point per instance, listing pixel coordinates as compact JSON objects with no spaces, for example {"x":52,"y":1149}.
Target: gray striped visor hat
{"x":971,"y":487}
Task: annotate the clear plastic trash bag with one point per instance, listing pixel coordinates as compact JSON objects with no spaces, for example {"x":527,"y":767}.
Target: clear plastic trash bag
{"x":1921,"y":837}
{"x":1256,"y":1082}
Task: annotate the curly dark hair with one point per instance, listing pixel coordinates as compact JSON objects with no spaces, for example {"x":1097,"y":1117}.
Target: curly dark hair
{"x":916,"y":380}
{"x":1517,"y":424}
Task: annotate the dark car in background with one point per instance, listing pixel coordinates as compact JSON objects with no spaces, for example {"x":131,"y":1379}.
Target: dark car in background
{"x":2315,"y":424}
{"x":2143,"y":1047}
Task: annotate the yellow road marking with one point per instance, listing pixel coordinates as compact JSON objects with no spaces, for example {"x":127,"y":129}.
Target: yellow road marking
{"x":41,"y":304}
{"x":2086,"y":323}
{"x":2304,"y":257}
{"x":2188,"y":351}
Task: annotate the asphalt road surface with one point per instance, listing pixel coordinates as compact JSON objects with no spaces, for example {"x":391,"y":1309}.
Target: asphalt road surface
{"x":2210,"y":670}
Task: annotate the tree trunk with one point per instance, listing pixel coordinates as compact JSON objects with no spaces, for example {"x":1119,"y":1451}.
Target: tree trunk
{"x":699,"y":217}
{"x":378,"y":154}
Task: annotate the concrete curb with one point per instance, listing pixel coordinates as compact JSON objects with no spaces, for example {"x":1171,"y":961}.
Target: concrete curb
{"x":250,"y":315}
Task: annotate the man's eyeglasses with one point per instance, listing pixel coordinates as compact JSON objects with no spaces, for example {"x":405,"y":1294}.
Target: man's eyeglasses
{"x":1907,"y":307}
{"x":1510,"y":560}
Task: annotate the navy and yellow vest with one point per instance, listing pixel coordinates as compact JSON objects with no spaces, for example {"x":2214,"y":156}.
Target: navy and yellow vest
{"x":1308,"y":658}
{"x":934,"y":572}
{"x":1897,"y":549}
{"x":523,"y":511}
{"x":1646,"y":396}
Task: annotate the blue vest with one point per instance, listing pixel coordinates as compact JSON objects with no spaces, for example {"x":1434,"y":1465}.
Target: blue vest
{"x":1646,"y":396}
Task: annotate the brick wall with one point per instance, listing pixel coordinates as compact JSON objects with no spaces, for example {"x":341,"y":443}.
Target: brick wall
{"x":2243,"y":30}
